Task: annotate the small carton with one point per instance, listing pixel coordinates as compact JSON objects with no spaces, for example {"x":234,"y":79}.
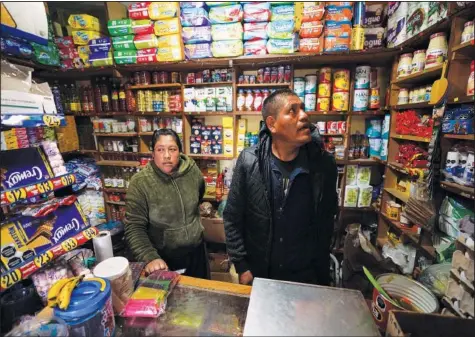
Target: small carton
{"x":206,"y":132}
{"x":189,"y":99}
{"x":228,"y":134}
{"x":228,"y":147}
{"x":242,"y":126}
{"x":227,"y":122}
{"x":210,"y":100}
{"x":240,"y":139}
{"x":217,"y":132}
{"x":195,"y":145}
{"x":200,"y":96}
{"x":217,"y":146}
{"x":205,"y":146}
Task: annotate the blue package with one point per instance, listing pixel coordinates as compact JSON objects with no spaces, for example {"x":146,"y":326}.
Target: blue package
{"x":192,"y":4}
{"x":194,"y":17}
{"x":464,"y":112}
{"x":98,"y":56}
{"x":281,"y":29}
{"x":101,"y":44}
{"x":285,"y":12}
{"x":373,"y":128}
{"x":16,"y":48}
{"x":198,"y":51}
{"x":192,"y":35}
{"x":458,"y":127}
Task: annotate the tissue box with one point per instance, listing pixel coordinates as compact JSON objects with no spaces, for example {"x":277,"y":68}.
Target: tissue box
{"x":189,"y":99}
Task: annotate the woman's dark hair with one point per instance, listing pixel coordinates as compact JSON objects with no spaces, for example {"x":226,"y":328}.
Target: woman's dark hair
{"x":166,"y":132}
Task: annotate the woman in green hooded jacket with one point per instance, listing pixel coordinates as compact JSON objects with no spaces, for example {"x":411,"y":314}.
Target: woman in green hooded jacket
{"x":162,"y":220}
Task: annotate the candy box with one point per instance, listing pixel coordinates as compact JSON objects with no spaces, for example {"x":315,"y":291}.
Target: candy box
{"x":217,"y":132}
{"x":206,"y":132}
{"x":459,"y":126}
{"x":217,"y":147}
{"x":195,"y":145}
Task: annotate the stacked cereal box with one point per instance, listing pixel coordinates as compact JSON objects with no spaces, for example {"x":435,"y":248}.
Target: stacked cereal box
{"x":226,"y":29}
{"x":196,"y":30}
{"x":282,"y":39}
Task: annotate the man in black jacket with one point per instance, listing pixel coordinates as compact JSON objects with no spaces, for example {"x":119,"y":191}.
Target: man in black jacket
{"x":282,"y":202}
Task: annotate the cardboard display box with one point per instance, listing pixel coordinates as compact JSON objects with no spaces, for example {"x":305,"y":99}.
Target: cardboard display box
{"x":213,"y":230}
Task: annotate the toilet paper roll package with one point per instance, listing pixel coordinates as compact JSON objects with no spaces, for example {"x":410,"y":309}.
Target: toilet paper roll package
{"x":198,"y":50}
{"x":256,"y":47}
{"x":397,"y":12}
{"x":120,"y":27}
{"x":281,"y":29}
{"x":257,"y":12}
{"x":193,"y":35}
{"x":169,"y":41}
{"x":125,"y":57}
{"x":145,"y":41}
{"x":225,"y":14}
{"x":255,"y":31}
{"x":147,"y":55}
{"x":227,"y":48}
{"x":229,"y":31}
{"x":194,"y":17}
{"x":167,"y":27}
{"x":140,"y":27}
{"x":163,"y":10}
{"x":123,"y":42}
{"x":171,"y":54}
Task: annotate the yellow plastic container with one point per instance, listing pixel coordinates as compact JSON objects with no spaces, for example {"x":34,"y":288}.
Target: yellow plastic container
{"x":84,"y":21}
{"x":163,"y":10}
{"x":167,"y":27}
{"x":82,"y":37}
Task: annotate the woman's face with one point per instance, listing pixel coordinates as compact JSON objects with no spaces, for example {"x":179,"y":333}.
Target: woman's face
{"x":166,"y":154}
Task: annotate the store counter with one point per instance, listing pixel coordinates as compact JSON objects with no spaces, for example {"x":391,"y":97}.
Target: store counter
{"x":196,"y":307}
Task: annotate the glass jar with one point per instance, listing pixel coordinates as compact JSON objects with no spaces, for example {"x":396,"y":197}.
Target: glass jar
{"x":130,"y":125}
{"x":115,"y":127}
{"x":411,"y":96}
{"x":403,"y":97}
{"x":468,"y":32}
{"x":437,"y":50}
{"x":421,"y":94}
{"x":404,"y":65}
{"x":418,"y":61}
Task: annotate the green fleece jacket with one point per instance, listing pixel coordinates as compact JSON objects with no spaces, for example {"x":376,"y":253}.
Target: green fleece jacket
{"x":162,"y":211}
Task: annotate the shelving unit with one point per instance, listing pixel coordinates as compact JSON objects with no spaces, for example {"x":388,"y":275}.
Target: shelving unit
{"x":422,"y":77}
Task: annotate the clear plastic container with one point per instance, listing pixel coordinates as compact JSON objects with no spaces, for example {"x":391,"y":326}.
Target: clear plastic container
{"x":437,"y":50}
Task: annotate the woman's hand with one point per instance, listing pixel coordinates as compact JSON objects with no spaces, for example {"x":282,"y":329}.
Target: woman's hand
{"x":246,"y":278}
{"x":155,"y":265}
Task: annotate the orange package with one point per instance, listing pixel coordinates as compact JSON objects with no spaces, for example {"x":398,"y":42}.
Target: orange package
{"x":311,"y":45}
{"x":338,"y":28}
{"x":313,"y":13}
{"x":333,"y":43}
{"x":311,"y":29}
{"x":339,"y":13}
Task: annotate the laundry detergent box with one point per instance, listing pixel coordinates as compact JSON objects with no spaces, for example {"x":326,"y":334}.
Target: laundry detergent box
{"x":189,"y":99}
{"x":200,"y":97}
{"x":224,"y":99}
{"x":25,"y":237}
{"x":210,"y":100}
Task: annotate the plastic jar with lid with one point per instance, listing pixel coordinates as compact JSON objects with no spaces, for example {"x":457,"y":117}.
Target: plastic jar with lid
{"x":471,"y":80}
{"x":418,"y":61}
{"x":117,"y":271}
{"x":404,"y":65}
{"x":468,"y":32}
{"x":437,"y":50}
{"x":411,"y":96}
{"x":403,"y":97}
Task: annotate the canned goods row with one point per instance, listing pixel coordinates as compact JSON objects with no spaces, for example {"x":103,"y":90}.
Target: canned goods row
{"x":156,"y":77}
{"x":159,"y":101}
{"x":210,"y":76}
{"x":331,"y":127}
{"x":280,"y":74}
{"x":364,"y":99}
{"x":339,"y":102}
{"x":415,"y":95}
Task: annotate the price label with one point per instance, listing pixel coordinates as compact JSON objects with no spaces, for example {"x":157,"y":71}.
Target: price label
{"x":89,"y":233}
{"x":43,"y":259}
{"x":51,"y":120}
{"x":45,"y":187}
{"x":10,"y":279}
{"x":15,"y":195}
{"x":69,"y":244}
{"x":68,"y":180}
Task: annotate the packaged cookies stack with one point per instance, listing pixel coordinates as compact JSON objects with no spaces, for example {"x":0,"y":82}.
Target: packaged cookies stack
{"x":282,"y":39}
{"x":374,"y":32}
{"x":196,"y":31}
{"x":226,"y":29}
{"x":338,"y":26}
{"x":311,"y":28}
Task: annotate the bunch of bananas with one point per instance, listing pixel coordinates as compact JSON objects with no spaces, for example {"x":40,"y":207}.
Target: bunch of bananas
{"x":60,"y":293}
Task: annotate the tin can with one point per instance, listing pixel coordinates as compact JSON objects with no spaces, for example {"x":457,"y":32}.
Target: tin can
{"x":155,"y":77}
{"x":229,"y":76}
{"x":163,"y":77}
{"x":373,"y":78}
{"x":362,"y":77}
{"x":357,"y":38}
{"x":241,"y":79}
{"x":310,"y":101}
{"x":175,"y":77}
{"x":322,"y":127}
{"x":374,"y":99}
{"x":340,"y":101}
{"x":141,"y":100}
{"x":324,"y":90}
{"x":360,"y":100}
{"x":260,"y":75}
{"x":280,"y":74}
{"x":190,"y":78}
{"x":137,"y":77}
{"x":323,"y":103}
{"x":274,"y":74}
{"x":299,"y":86}
{"x":310,"y":84}
{"x":145,"y":77}
{"x":267,"y":72}
{"x":341,"y":80}
{"x":199,"y":77}
{"x":246,"y":79}
{"x":206,"y":76}
{"x":325,"y":75}
{"x":359,"y":14}
{"x":287,"y":74}
{"x":252,"y":79}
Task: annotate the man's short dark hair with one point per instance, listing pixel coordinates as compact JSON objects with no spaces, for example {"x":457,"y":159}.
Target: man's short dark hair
{"x":274,"y":102}
{"x":165,"y":132}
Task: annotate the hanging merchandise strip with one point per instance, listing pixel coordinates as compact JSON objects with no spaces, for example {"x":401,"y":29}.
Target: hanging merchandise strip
{"x":26,"y":192}
{"x":29,"y":121}
{"x":22,"y":272}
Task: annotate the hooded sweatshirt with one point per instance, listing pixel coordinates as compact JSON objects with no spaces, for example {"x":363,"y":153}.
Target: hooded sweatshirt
{"x":162,"y":211}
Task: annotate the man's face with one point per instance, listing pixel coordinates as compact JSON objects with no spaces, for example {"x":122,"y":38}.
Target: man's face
{"x":291,"y":123}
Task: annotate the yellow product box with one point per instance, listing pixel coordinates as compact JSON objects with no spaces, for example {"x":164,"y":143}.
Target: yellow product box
{"x":228,"y":148}
{"x":84,"y":21}
{"x":82,"y":37}
{"x":228,"y":133}
{"x":167,"y":27}
{"x":210,"y":187}
{"x":227,"y":122}
{"x":240,"y":139}
{"x":242,"y":125}
{"x":169,"y":41}
{"x":163,"y":10}
{"x":171,"y":54}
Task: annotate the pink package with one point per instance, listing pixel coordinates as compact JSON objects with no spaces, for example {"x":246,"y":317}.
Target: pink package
{"x":68,"y":53}
{"x":144,"y":308}
{"x":141,"y":27}
{"x":147,"y":55}
{"x":257,"y":47}
{"x":64,"y":42}
{"x":255,"y":31}
{"x":257,"y":12}
{"x":138,"y":10}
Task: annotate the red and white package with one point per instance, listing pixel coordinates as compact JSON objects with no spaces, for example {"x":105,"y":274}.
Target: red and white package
{"x":147,"y":55}
{"x":257,"y":47}
{"x":341,"y":127}
{"x":138,"y":10}
{"x":257,"y":12}
{"x":311,"y":45}
{"x":311,"y":29}
{"x":313,"y":13}
{"x":141,"y":27}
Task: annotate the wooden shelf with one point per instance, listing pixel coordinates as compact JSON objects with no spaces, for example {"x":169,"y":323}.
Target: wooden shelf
{"x":422,"y":105}
{"x":363,"y":162}
{"x":115,"y":190}
{"x":333,"y":134}
{"x":210,"y":157}
{"x":412,"y":138}
{"x":461,"y":100}
{"x":463,"y":137}
{"x":465,"y":49}
{"x":109,"y":114}
{"x":398,"y":194}
{"x":118,"y":134}
{"x":28,"y":63}
{"x":401,"y":169}
{"x":464,"y":191}
{"x":401,"y":229}
{"x":422,"y":38}
{"x":147,"y":133}
{"x":209,"y":113}
{"x":156,"y":86}
{"x":78,"y":73}
{"x":422,"y":77}
{"x":326,"y":113}
{"x":120,"y":163}
{"x":248,"y":113}
{"x":207,"y":84}
{"x":357,"y":209}
{"x":369,"y":113}
{"x":159,"y":114}
{"x":379,"y":160}
{"x":263,"y":85}
{"x":80,"y":152}
{"x":119,"y":203}
{"x":123,"y":153}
